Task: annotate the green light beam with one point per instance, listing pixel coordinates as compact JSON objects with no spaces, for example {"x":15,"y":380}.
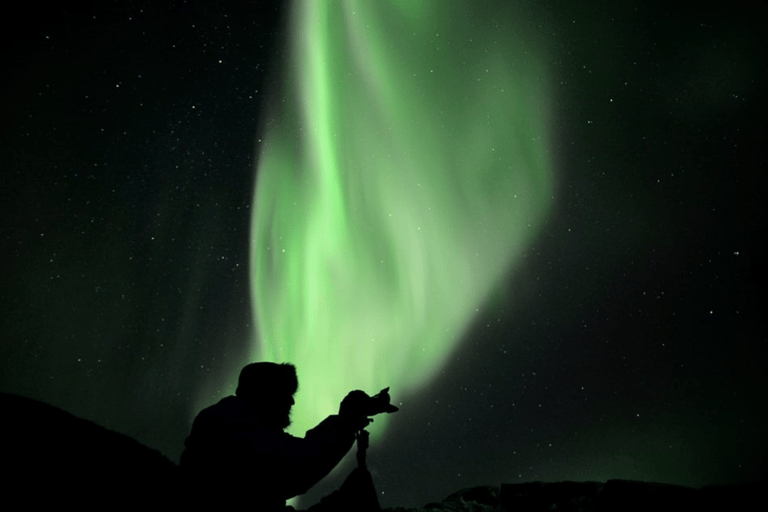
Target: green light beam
{"x":399,"y":181}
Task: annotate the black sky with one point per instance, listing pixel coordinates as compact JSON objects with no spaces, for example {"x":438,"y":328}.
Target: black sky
{"x":631,"y":343}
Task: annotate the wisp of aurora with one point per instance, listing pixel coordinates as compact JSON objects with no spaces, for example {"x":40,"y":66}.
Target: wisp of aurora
{"x":402,"y":170}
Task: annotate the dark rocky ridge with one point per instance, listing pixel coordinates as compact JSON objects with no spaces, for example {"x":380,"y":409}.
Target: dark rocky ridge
{"x":53,"y":458}
{"x":613,"y":496}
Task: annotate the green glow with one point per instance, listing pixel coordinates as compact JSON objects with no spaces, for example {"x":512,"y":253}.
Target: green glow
{"x":400,"y":180}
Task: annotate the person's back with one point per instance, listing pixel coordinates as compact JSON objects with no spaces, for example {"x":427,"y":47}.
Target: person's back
{"x":238,"y":451}
{"x":227,"y":457}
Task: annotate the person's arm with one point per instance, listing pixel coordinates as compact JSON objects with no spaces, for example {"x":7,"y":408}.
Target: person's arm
{"x":309,"y":460}
{"x":304,"y":462}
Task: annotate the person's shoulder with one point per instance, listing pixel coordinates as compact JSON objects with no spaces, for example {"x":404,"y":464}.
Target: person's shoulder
{"x":230,"y":402}
{"x":226,"y":407}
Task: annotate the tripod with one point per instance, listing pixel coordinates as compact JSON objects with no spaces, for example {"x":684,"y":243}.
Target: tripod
{"x":362,"y":446}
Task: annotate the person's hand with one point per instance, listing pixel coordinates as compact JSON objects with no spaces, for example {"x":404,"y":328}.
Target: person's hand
{"x":353,"y":409}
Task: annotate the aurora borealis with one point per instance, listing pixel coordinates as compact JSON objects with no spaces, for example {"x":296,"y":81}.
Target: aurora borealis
{"x":620,"y":336}
{"x":404,"y":176}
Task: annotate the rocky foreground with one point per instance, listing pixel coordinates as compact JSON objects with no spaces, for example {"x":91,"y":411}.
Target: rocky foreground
{"x":52,"y":458}
{"x":613,"y":495}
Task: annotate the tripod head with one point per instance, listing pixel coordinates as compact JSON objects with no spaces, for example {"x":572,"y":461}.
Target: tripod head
{"x":370,"y":406}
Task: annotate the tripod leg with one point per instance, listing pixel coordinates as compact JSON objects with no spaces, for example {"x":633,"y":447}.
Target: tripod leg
{"x":362,"y":446}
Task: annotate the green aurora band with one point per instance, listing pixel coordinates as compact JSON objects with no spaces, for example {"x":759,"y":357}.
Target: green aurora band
{"x":400,"y":177}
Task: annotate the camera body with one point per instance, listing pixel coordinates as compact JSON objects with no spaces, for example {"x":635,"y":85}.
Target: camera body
{"x":358,"y":403}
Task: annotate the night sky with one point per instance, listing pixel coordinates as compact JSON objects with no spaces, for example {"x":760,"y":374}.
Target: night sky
{"x":628,"y":344}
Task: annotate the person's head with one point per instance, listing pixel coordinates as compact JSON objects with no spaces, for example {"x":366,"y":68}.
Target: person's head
{"x":269,"y":388}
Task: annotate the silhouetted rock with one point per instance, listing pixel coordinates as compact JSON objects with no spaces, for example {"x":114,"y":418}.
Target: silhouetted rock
{"x":612,"y":496}
{"x":50,"y":457}
{"x":568,"y":496}
{"x":474,"y":499}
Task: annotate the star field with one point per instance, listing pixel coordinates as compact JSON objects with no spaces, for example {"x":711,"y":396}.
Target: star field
{"x":628,"y":343}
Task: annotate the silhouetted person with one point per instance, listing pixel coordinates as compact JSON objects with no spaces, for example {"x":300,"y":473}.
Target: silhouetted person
{"x":239,"y":454}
